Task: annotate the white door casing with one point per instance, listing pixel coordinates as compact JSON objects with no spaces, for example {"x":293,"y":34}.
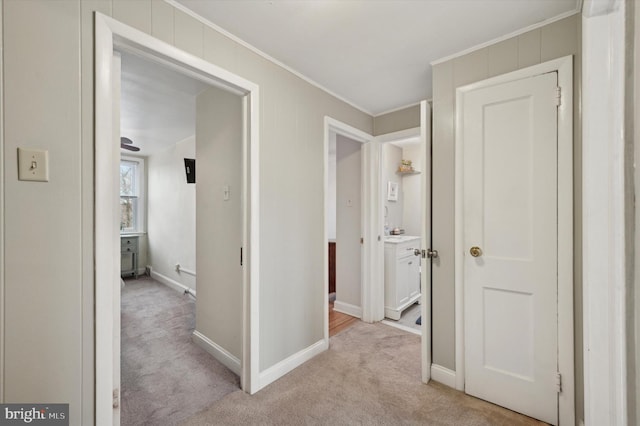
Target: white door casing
{"x":110,"y":33}
{"x":502,"y":320}
{"x":116,"y":80}
{"x":510,"y":197}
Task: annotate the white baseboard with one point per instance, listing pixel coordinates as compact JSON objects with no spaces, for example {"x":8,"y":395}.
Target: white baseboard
{"x":401,"y":327}
{"x":443,"y":375}
{"x":346,"y":308}
{"x":170,"y":283}
{"x":272,"y":374}
{"x":217,"y":351}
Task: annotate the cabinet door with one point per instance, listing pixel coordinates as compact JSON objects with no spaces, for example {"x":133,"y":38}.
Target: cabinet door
{"x":413,"y":280}
{"x":404,"y":279}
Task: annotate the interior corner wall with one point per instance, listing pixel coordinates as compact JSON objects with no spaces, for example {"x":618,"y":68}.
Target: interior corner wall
{"x":406,"y":118}
{"x":48,"y":227}
{"x":348,"y":222}
{"x":411,"y":192}
{"x":331,"y":195}
{"x":171,"y":213}
{"x":219,"y":135}
{"x":555,"y":40}
{"x":391,"y":159}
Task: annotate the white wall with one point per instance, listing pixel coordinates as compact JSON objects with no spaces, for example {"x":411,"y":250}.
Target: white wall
{"x":391,"y":159}
{"x":171,"y":213}
{"x":349,"y":223}
{"x":48,"y":271}
{"x":219,"y":220}
{"x":331,"y":196}
{"x":411,"y":208}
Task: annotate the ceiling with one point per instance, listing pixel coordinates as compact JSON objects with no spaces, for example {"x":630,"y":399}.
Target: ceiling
{"x":157,"y":104}
{"x":374,"y":54}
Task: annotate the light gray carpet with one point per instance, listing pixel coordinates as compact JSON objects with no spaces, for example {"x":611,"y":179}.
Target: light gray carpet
{"x":165,"y":377}
{"x":369,"y":376}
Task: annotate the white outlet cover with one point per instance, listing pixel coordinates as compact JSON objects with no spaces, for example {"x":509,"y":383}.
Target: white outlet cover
{"x":33,"y":165}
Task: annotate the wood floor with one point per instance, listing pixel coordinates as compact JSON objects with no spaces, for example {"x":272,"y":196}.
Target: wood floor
{"x":339,"y":321}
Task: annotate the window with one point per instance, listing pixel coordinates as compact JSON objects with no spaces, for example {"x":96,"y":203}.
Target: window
{"x":131,"y":195}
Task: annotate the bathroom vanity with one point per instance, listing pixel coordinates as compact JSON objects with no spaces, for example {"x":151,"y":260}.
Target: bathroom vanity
{"x":401,"y":274}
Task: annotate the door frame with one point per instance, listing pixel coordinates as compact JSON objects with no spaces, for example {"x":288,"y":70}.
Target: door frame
{"x":109,"y":35}
{"x":564,"y":68}
{"x":368,"y":280}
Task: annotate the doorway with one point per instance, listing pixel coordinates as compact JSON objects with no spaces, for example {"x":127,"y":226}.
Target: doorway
{"x":165,"y":226}
{"x":372,"y":299}
{"x":514,"y":220}
{"x":111,"y":35}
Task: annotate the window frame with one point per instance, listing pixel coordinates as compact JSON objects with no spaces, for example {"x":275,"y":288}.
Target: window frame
{"x":140,"y":189}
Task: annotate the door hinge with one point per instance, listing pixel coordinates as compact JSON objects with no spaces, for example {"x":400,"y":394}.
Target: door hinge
{"x":116,"y":398}
{"x":241,"y":261}
{"x":361,"y":240}
{"x":558,"y":96}
{"x":558,"y":382}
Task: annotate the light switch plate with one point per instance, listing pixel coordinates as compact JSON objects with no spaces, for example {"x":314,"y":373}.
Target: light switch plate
{"x":33,"y":165}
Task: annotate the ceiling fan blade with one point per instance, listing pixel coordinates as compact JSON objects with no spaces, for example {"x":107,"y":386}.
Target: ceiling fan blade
{"x":130,"y":147}
{"x":125,"y":140}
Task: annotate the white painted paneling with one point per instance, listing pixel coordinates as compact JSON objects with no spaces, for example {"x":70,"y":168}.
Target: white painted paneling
{"x":54,"y":258}
{"x":171,"y":217}
{"x":42,"y":227}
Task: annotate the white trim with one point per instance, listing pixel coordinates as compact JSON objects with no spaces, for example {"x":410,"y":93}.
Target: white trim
{"x":110,"y":33}
{"x":2,"y":229}
{"x":443,"y":375}
{"x":603,"y":225}
{"x":564,"y":67}
{"x":510,"y":35}
{"x":272,"y":374}
{"x":218,"y":352}
{"x":347,"y":308}
{"x":266,"y":56}
{"x":401,"y":326}
{"x":400,"y":108}
{"x":171,"y":283}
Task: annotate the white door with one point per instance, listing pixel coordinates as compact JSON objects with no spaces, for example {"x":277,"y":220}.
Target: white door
{"x":510,"y":243}
{"x":425,"y":241}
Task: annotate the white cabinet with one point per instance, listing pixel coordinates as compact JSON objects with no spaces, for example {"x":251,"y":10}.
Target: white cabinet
{"x":401,"y":274}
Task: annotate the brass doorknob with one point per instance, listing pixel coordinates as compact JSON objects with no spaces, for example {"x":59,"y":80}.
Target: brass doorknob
{"x":475,"y":251}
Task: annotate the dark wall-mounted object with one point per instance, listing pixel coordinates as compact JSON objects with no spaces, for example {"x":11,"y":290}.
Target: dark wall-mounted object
{"x":190,"y":169}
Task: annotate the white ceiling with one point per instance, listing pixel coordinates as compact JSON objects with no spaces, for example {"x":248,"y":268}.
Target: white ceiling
{"x":374,"y":54}
{"x":157,"y":104}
